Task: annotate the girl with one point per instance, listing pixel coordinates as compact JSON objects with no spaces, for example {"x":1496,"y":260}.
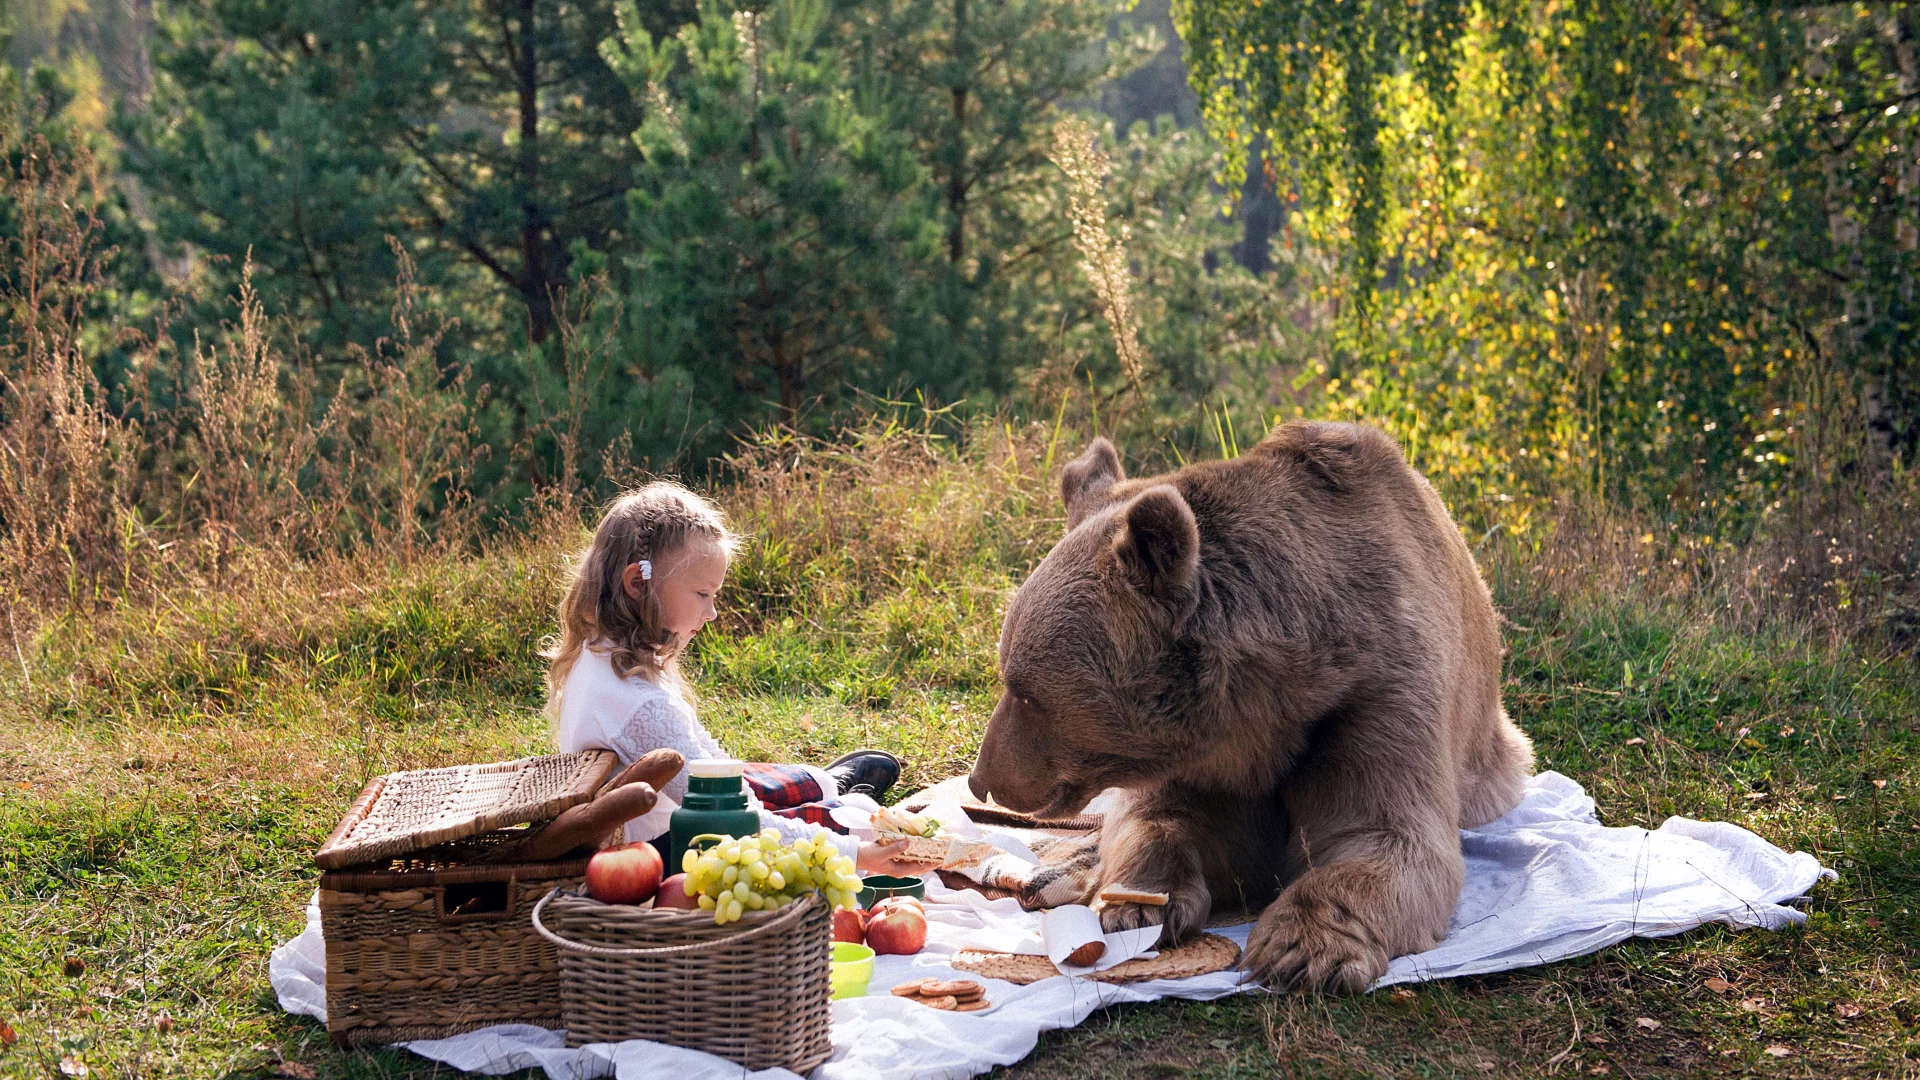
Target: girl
{"x":640,"y":592}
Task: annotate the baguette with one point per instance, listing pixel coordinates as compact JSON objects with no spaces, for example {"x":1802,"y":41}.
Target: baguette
{"x":1121,"y":894}
{"x":655,"y":767}
{"x":588,"y":822}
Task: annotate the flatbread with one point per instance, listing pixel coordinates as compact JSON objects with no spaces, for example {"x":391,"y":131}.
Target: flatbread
{"x":1202,"y":956}
{"x":943,"y":851}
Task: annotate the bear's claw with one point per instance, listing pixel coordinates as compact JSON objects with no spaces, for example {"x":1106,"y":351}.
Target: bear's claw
{"x":1302,"y":944}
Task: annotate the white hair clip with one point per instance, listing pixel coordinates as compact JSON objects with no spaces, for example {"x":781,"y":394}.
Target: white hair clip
{"x":646,"y":569}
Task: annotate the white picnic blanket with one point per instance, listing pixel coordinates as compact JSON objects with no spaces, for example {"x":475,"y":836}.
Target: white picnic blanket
{"x":1544,"y":883}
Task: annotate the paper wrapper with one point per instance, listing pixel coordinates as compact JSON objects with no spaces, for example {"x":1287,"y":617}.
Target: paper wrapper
{"x":1064,"y":929}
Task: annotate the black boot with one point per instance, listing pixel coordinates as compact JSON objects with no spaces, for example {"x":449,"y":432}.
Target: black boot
{"x":866,"y":772}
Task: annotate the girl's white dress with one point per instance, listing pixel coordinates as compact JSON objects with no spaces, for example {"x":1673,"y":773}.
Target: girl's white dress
{"x":599,"y":710}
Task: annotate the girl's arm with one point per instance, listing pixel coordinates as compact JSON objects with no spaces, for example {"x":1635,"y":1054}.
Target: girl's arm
{"x":869,"y":858}
{"x":791,"y":829}
{"x":656,"y":722}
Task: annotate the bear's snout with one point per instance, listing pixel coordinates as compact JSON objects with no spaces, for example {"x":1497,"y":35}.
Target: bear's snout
{"x":1008,"y":767}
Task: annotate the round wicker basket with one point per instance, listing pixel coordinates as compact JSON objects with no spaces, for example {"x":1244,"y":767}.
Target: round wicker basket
{"x":756,"y":992}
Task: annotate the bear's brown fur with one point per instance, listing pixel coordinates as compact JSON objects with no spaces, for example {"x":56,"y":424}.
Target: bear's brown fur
{"x":1291,"y":666}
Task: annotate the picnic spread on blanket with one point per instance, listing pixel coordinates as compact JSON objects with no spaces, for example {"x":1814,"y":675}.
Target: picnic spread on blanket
{"x":434,"y":929}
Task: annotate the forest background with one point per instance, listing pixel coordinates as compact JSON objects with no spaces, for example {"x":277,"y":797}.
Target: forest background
{"x":1658,"y":259}
{"x":326,"y":324}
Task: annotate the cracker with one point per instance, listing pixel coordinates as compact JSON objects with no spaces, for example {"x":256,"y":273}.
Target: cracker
{"x":934,"y":988}
{"x":912,"y":987}
{"x":973,"y":1006}
{"x":1202,"y":956}
{"x":945,"y":1004}
{"x":1120,"y":894}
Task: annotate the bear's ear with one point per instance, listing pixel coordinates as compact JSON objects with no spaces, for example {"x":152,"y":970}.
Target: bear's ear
{"x":1158,"y":547}
{"x":1086,"y":480}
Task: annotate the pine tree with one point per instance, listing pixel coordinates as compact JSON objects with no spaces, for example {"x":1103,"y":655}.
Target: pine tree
{"x":778,"y":213}
{"x":486,"y":135}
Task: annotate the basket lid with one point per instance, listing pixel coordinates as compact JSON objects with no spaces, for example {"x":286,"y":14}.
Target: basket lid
{"x":410,"y":811}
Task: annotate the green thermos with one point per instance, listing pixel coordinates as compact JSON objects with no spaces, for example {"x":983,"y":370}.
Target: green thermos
{"x":716,"y":803}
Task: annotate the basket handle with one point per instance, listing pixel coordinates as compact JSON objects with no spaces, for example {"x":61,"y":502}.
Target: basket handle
{"x":795,"y":911}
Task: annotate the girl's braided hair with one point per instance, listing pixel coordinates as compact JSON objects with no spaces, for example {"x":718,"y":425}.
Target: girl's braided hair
{"x":663,"y":523}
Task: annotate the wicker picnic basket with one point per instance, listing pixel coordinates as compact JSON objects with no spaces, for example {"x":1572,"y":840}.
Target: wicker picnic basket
{"x":427,"y":915}
{"x":756,"y":992}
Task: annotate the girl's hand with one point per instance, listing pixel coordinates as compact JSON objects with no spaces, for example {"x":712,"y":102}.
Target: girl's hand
{"x":884,"y":859}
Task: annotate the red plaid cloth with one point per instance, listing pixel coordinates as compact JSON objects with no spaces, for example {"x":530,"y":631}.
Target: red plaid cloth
{"x":791,"y":792}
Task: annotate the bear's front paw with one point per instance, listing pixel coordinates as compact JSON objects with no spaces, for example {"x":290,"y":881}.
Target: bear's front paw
{"x":1313,"y":941}
{"x":1184,"y":913}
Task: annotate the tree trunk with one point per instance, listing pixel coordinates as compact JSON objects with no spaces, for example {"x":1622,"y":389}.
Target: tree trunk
{"x":1902,"y":413}
{"x":790,"y":374}
{"x":957,"y":146}
{"x":534,"y":286}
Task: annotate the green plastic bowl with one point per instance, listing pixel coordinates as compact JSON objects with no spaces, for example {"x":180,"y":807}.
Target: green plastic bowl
{"x":878,"y":887}
{"x":851,"y":970}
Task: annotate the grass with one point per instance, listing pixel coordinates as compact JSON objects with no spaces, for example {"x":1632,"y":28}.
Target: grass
{"x":169,"y":766}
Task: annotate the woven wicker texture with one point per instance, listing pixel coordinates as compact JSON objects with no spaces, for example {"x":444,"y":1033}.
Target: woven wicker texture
{"x":409,"y":811}
{"x":755,"y":992}
{"x":1202,"y":956}
{"x":438,"y":952}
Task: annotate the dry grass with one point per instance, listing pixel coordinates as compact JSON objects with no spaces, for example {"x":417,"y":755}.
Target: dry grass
{"x":188,"y":749}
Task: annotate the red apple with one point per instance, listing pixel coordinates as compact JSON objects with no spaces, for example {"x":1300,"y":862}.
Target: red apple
{"x":629,"y":874}
{"x":897,"y":929}
{"x":850,"y":924}
{"x":673,"y":894}
{"x":887,"y":903}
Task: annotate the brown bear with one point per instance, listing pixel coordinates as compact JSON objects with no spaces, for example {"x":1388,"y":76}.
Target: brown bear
{"x":1289,"y":664}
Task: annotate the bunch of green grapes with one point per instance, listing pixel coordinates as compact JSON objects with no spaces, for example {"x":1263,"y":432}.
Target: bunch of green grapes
{"x":759,"y":873}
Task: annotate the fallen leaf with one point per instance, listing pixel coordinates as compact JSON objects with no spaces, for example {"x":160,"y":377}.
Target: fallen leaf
{"x":7,"y":1035}
{"x":1402,"y":994}
{"x":163,"y":1023}
{"x":1597,"y":1040}
{"x":1839,"y":798}
{"x":1485,"y":1066}
{"x":1598,"y":1070}
{"x":1786,"y":732}
{"x":1647,"y":1023}
{"x":1718,"y":985}
{"x":1847,"y":1010}
{"x":1636,"y":742}
{"x":1726,"y":1053}
{"x":1879,"y":783}
{"x":295,"y":1070}
{"x":74,"y":967}
{"x":72,"y":1067}
{"x":1755,"y":796}
{"x":1753,"y":1004}
{"x":1778,"y":1051}
{"x":1873,"y":923}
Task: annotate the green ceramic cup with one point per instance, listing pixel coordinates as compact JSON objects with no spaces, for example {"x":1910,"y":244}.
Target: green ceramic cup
{"x":878,"y":887}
